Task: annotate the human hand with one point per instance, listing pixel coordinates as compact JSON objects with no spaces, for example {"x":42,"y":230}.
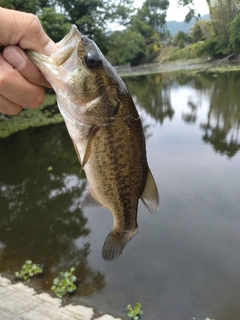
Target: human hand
{"x":21,"y":82}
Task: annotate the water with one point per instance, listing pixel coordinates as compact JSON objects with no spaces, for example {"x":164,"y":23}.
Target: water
{"x":185,"y":262}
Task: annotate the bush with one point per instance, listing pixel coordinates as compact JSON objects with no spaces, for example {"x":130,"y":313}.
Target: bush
{"x":189,"y":52}
{"x":181,"y":44}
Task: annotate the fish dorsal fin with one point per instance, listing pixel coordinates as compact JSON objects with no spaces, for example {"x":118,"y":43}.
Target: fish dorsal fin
{"x":91,"y":134}
{"x":150,"y":196}
{"x":89,"y":201}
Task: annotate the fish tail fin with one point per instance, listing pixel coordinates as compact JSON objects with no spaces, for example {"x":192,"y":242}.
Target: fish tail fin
{"x":115,"y":243}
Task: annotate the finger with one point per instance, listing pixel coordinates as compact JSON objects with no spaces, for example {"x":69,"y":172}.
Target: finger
{"x":13,"y":86}
{"x":25,"y":30}
{"x":9,"y":107}
{"x":19,"y":60}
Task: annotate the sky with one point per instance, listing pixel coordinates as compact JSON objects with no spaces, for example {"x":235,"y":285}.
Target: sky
{"x":178,"y":14}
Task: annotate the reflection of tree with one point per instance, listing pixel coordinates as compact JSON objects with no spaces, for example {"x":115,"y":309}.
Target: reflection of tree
{"x":223,"y":122}
{"x":39,"y":215}
{"x":222,"y":127}
{"x":152,"y":93}
{"x":190,"y":117}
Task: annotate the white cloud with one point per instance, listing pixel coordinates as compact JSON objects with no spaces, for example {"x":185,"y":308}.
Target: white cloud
{"x":178,"y":13}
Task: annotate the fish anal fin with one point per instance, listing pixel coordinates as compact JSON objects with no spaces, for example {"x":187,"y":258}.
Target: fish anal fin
{"x":89,"y":201}
{"x":115,"y":243}
{"x":150,"y":196}
{"x":91,"y":134}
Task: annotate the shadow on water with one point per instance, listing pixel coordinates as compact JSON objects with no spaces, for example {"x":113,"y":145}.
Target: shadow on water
{"x":184,"y":262}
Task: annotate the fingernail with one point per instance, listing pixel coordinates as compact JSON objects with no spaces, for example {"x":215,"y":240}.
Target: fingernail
{"x":14,"y":57}
{"x":50,"y":48}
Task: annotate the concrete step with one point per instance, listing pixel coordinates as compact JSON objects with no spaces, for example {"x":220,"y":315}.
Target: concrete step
{"x":19,"y":302}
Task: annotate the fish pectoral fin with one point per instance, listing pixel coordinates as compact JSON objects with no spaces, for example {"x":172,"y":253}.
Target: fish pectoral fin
{"x":150,"y":196}
{"x":91,"y":134}
{"x":115,"y":243}
{"x":89,"y":201}
{"x":76,"y":150}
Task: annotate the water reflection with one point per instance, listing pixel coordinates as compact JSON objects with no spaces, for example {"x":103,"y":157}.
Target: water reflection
{"x":39,"y":217}
{"x":153,"y":93}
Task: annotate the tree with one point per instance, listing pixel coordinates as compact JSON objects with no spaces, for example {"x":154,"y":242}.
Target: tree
{"x":31,"y":6}
{"x":153,"y":12}
{"x":126,"y":46}
{"x":234,"y":35}
{"x":197,"y":34}
{"x":91,"y":17}
{"x":54,"y":24}
{"x":180,"y":37}
{"x":151,"y":37}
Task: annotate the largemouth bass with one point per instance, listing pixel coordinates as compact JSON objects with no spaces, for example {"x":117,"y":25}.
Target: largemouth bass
{"x":106,"y":131}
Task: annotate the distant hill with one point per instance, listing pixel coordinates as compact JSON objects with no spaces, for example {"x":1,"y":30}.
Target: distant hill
{"x":175,"y":26}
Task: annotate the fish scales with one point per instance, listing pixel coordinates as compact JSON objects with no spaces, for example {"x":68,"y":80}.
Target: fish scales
{"x":106,"y":131}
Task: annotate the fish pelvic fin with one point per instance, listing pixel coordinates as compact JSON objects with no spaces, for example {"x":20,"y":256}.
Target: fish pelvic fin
{"x":150,"y":196}
{"x":89,"y":200}
{"x":115,"y":243}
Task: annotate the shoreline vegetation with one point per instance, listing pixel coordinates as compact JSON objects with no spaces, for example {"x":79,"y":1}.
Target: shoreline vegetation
{"x":48,"y":112}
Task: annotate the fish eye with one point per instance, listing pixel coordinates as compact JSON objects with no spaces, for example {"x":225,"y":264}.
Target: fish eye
{"x":92,"y":60}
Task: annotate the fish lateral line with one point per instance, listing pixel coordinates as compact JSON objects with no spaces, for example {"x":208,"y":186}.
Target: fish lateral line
{"x":128,"y":119}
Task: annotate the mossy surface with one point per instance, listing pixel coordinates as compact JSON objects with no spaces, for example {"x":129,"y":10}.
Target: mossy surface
{"x":46,"y":114}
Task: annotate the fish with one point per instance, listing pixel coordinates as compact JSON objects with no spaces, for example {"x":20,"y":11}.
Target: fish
{"x":106,"y":131}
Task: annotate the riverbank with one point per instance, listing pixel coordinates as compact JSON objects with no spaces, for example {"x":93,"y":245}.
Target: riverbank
{"x":19,"y":302}
{"x":192,"y":65}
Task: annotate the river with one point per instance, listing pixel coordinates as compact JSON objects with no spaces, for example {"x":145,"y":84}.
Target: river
{"x":184,"y":262}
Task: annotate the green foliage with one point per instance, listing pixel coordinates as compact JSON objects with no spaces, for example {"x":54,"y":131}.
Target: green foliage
{"x":31,"y":6}
{"x":179,"y":36}
{"x":217,"y":46}
{"x":28,"y":270}
{"x":138,"y":44}
{"x":197,"y":33}
{"x":54,"y":24}
{"x":151,"y":38}
{"x":134,"y":312}
{"x":181,"y":44}
{"x":201,"y":30}
{"x":125,"y":46}
{"x":65,"y":283}
{"x":193,"y":51}
{"x":234,"y":35}
{"x":154,"y":13}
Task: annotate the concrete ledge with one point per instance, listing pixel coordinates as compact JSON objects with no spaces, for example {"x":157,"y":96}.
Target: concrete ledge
{"x":19,"y":302}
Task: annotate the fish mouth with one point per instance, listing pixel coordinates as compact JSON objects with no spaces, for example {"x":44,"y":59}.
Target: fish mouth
{"x":58,"y":64}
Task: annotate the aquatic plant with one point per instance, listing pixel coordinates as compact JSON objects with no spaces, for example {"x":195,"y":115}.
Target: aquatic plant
{"x":28,"y":270}
{"x":134,"y":312}
{"x":65,"y":283}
